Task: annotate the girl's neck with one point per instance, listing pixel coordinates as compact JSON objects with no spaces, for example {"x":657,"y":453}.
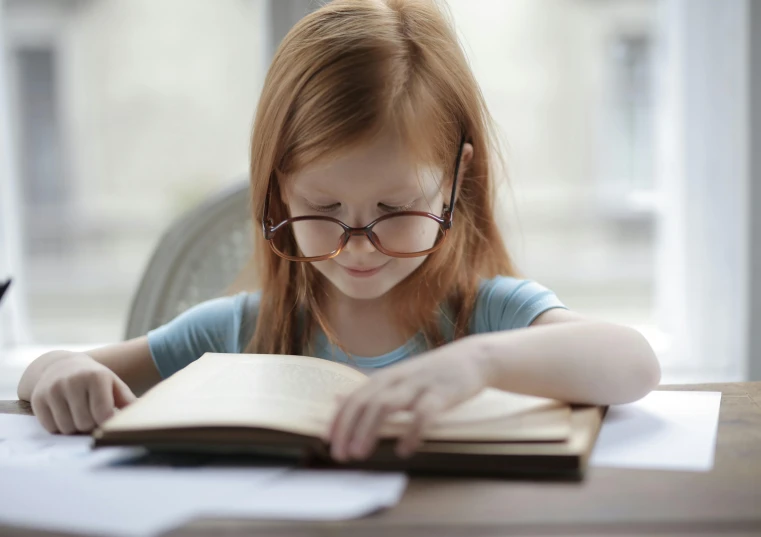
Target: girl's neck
{"x":364,"y":327}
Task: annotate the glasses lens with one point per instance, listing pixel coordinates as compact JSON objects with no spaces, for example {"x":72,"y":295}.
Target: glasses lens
{"x":308,"y":238}
{"x":407,"y":234}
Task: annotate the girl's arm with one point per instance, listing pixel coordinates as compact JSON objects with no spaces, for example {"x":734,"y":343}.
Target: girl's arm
{"x":560,"y":356}
{"x":130,"y":361}
{"x":564,"y":357}
{"x":73,"y":392}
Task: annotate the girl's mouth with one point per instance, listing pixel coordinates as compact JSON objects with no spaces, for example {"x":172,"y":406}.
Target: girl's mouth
{"x":363,"y":272}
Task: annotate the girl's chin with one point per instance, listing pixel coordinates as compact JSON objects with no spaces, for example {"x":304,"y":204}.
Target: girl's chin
{"x":361,"y":288}
{"x":362,"y":291}
{"x":364,"y":286}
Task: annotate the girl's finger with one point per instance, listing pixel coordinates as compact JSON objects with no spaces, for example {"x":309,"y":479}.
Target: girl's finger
{"x":340,"y":401}
{"x":346,"y":418}
{"x":44,"y":415}
{"x":122,"y":394}
{"x":340,"y":432}
{"x":61,"y":412}
{"x":101,"y":399}
{"x":364,"y":437}
{"x":76,"y":396}
{"x":344,"y":401}
{"x":426,"y":408}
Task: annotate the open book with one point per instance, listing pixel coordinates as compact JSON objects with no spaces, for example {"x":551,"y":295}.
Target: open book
{"x":284,"y":404}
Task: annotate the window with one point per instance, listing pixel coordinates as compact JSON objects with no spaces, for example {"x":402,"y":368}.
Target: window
{"x":567,"y":83}
{"x":124,"y":115}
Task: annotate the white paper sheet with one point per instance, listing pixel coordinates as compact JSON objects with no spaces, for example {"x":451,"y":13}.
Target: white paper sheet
{"x":24,"y":441}
{"x":17,"y":426}
{"x":320,"y":495}
{"x":123,"y":503}
{"x":144,"y":502}
{"x":665,"y":430}
{"x":57,"y":483}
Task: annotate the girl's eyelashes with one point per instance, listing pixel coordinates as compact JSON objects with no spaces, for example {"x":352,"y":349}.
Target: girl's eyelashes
{"x":396,"y":208}
{"x":323,"y":208}
{"x":383,"y":206}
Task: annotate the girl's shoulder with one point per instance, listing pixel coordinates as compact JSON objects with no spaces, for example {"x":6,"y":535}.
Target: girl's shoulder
{"x":508,"y":302}
{"x":219,"y":325}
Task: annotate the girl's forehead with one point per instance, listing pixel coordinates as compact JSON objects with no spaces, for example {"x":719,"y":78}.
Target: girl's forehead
{"x":381,"y":166}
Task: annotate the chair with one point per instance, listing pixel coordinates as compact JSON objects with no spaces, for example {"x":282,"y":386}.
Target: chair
{"x":199,"y":257}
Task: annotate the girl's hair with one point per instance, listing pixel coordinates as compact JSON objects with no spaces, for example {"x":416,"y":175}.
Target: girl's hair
{"x":344,"y":73}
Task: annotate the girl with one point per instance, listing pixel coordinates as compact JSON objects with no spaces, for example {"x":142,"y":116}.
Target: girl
{"x":371,"y":177}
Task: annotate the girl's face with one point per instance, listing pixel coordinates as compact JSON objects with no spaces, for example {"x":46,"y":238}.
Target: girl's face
{"x":361,"y":185}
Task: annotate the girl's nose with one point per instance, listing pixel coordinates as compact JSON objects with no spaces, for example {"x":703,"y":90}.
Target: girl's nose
{"x":360,"y":243}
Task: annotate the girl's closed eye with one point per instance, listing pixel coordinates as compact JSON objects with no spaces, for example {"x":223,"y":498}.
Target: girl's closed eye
{"x":387,"y":207}
{"x":323,"y":208}
{"x":395,"y":208}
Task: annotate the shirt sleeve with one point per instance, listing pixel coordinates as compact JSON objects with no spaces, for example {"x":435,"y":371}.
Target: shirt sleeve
{"x":506,"y":303}
{"x":220,"y":325}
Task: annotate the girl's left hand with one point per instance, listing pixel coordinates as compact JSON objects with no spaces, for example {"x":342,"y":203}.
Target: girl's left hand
{"x":426,"y":385}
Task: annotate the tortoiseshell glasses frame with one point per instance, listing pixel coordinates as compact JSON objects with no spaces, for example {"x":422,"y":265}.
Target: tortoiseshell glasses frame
{"x":444,"y":221}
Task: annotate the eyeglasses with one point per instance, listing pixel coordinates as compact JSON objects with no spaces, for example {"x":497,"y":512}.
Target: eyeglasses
{"x":399,"y":234}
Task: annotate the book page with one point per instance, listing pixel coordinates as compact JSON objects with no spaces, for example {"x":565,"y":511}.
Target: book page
{"x":299,"y":394}
{"x":289,"y":393}
{"x":495,"y":415}
{"x":492,"y":404}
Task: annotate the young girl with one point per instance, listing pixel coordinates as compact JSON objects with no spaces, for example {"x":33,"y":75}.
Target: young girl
{"x":371,"y":178}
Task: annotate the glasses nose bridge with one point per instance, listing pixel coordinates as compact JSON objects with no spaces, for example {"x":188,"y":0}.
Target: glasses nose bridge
{"x":366,"y":231}
{"x":359,"y":231}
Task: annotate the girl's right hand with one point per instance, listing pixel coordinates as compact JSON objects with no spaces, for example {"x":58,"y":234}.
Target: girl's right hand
{"x":75,"y":394}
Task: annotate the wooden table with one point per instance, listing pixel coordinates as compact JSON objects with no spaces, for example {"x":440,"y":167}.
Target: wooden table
{"x":726,"y":500}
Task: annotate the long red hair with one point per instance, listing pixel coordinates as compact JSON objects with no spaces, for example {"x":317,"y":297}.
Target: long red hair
{"x":343,"y":73}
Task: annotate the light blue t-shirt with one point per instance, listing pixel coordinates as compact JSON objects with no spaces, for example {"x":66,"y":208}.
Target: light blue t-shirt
{"x":226,"y":325}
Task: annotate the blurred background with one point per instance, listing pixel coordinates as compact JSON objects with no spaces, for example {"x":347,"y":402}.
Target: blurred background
{"x":629,"y":129}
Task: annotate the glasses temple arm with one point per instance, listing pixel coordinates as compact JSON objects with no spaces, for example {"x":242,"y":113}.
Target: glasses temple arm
{"x":266,"y":209}
{"x":456,"y":175}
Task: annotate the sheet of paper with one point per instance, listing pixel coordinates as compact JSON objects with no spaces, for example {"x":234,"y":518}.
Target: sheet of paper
{"x":17,"y":426}
{"x":142,"y":502}
{"x":58,"y":483}
{"x":24,"y":441}
{"x":127,"y":502}
{"x":320,"y":495}
{"x":665,"y":430}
